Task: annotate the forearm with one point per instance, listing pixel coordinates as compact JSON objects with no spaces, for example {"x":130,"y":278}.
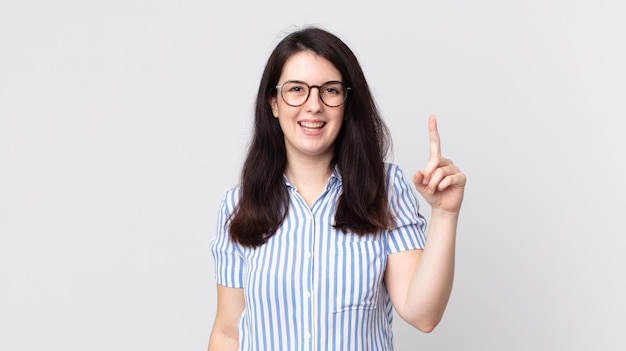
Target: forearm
{"x":431,"y":283}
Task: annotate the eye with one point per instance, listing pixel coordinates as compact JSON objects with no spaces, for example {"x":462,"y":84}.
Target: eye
{"x":332,"y":89}
{"x":295,"y":87}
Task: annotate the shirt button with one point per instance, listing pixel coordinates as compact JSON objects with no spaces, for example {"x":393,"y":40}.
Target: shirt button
{"x":308,"y":335}
{"x":307,"y":294}
{"x":308,"y":254}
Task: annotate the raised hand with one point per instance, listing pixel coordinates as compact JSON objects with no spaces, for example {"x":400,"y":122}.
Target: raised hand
{"x":441,"y":182}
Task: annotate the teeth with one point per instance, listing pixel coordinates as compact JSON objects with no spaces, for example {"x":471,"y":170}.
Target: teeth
{"x":311,"y":124}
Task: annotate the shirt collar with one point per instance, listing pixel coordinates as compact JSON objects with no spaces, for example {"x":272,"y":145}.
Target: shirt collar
{"x":335,"y":178}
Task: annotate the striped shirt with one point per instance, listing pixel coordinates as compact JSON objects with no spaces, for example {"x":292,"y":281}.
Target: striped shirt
{"x":312,"y":287}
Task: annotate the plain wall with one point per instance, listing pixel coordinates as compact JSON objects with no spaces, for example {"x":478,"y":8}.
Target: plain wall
{"x":122,"y":123}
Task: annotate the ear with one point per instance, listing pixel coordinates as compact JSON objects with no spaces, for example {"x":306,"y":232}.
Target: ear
{"x":274,"y":105}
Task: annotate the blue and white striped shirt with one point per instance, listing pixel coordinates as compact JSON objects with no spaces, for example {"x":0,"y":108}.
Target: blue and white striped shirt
{"x":312,"y":287}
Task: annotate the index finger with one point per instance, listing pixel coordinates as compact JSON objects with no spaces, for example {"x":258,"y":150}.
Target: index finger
{"x":435,"y":144}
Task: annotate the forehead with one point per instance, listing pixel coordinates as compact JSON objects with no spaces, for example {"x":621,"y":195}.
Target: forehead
{"x":309,"y":67}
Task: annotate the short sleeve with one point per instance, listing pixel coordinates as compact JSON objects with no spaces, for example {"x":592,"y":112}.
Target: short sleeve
{"x":226,"y":253}
{"x":409,"y":225}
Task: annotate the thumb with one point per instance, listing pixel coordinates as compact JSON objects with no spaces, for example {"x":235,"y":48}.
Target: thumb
{"x":418,"y":178}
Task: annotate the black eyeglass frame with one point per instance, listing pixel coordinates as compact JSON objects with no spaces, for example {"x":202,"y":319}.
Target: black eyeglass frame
{"x":319,"y":88}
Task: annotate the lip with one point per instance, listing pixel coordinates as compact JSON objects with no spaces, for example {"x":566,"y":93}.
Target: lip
{"x":311,"y":127}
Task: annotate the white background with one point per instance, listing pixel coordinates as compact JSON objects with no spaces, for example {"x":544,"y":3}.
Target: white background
{"x":122,"y":123}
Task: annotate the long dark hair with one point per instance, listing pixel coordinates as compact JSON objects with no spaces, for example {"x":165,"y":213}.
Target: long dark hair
{"x":359,"y":151}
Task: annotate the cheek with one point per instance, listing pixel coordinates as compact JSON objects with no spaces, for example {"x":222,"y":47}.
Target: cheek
{"x":340,"y":116}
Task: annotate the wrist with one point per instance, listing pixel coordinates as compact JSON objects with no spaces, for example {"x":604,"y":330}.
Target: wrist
{"x":437,"y":213}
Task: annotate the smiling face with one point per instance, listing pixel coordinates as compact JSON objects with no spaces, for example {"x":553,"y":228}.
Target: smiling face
{"x":311,"y":129}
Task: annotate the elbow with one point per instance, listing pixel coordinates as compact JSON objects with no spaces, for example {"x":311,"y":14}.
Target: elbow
{"x":422,"y":319}
{"x":425,"y":325}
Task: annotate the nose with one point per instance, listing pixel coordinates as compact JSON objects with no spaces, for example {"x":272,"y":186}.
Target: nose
{"x":314,"y":102}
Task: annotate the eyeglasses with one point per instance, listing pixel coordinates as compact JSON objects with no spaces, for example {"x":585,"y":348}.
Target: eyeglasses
{"x":296,"y":93}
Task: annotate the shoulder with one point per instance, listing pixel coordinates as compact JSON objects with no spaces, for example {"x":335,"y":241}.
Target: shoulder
{"x":391,"y":166}
{"x":393,"y":173}
{"x":397,"y":184}
{"x":230,"y":199}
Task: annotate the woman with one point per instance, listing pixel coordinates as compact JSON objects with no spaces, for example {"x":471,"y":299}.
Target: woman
{"x":323,"y":237}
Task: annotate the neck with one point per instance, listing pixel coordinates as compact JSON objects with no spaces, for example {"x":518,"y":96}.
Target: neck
{"x":309,"y":176}
{"x":308,"y":172}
